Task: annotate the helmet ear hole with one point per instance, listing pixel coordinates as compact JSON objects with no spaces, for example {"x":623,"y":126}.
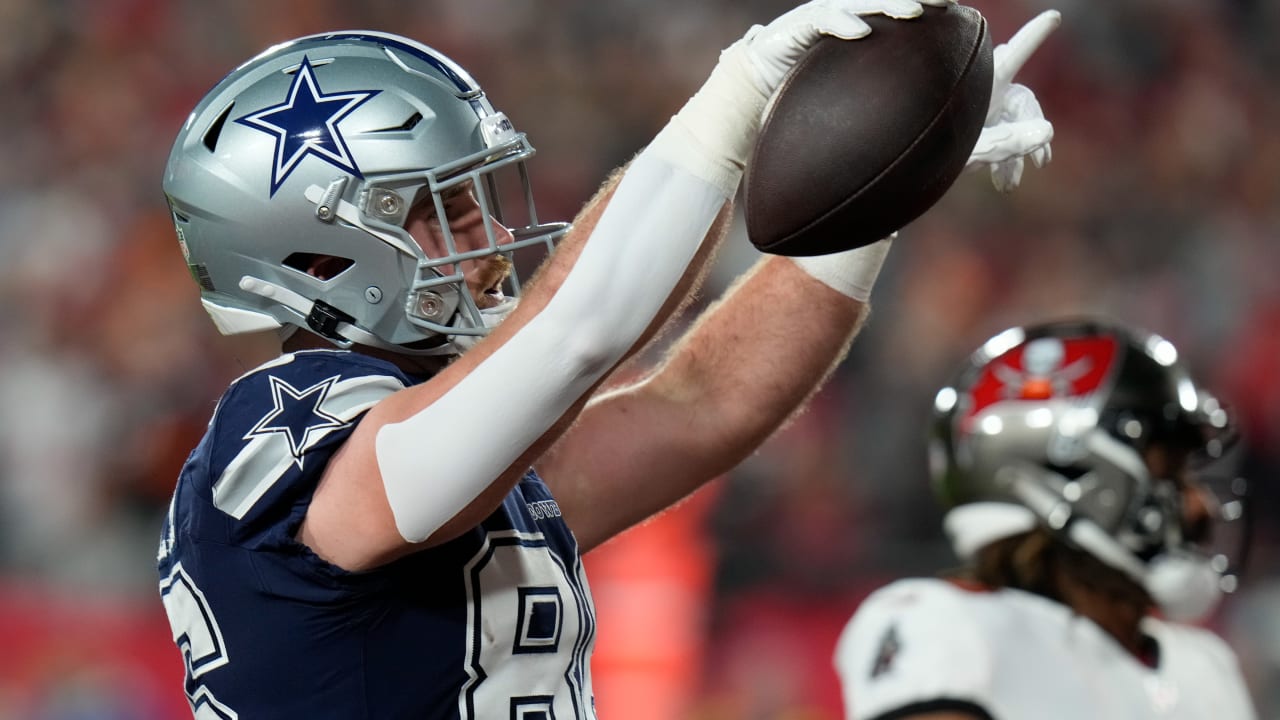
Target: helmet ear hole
{"x":324,"y":267}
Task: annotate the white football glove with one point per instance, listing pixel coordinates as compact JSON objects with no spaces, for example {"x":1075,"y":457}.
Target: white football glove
{"x":713,"y":134}
{"x":1015,"y":127}
{"x":772,"y":49}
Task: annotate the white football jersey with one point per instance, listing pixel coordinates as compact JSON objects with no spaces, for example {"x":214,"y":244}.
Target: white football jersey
{"x":927,"y":644}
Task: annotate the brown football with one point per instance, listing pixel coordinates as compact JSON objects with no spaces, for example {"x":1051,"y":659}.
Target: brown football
{"x":863,"y":136}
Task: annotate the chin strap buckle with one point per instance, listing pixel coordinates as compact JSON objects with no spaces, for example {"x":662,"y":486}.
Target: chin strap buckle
{"x":324,"y":319}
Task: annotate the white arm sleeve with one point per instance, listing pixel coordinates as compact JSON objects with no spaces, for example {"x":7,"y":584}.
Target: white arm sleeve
{"x":436,"y":462}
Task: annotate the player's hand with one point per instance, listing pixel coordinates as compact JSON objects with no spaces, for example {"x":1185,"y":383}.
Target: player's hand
{"x":713,"y":134}
{"x":1015,"y":127}
{"x":770,"y":50}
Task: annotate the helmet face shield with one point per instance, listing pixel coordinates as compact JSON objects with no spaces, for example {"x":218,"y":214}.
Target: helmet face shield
{"x":323,"y":148}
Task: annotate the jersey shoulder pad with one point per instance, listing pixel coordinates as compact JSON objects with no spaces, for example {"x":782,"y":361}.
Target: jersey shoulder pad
{"x":914,"y":643}
{"x":284,"y":419}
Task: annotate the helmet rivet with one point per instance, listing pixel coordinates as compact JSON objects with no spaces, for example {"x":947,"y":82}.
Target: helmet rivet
{"x":388,"y":204}
{"x":373,"y":294}
{"x":1152,"y":520}
{"x":325,"y":207}
{"x":430,"y":305}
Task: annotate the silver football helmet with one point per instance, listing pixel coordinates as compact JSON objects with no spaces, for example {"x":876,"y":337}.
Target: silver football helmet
{"x":1050,"y":425}
{"x":320,"y":147}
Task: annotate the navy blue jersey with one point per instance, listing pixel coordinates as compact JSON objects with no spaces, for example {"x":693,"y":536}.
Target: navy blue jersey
{"x":497,"y":623}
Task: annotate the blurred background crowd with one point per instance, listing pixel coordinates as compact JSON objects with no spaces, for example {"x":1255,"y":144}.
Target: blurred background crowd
{"x":1160,"y":208}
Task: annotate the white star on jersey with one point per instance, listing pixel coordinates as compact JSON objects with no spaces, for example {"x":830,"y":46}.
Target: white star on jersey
{"x":296,"y":421}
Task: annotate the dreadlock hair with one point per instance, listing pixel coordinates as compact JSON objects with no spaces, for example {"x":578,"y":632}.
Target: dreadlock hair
{"x":1040,"y":562}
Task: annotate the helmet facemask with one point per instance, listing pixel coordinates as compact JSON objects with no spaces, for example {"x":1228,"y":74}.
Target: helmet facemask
{"x":438,"y":300}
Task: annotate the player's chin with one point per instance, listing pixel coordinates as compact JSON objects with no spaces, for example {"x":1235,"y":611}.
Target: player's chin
{"x":485,"y":300}
{"x":485,"y":277}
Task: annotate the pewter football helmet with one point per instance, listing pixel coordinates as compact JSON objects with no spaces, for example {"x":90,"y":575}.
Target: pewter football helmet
{"x":1047,"y":425}
{"x":319,"y":147}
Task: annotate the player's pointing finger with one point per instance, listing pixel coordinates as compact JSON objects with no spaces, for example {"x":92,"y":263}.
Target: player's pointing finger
{"x":1011,"y":56}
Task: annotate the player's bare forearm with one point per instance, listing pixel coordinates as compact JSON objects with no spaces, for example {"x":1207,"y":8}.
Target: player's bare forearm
{"x":736,"y":376}
{"x":753,"y":358}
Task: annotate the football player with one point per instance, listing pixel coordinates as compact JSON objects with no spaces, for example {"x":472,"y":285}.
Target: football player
{"x":361,"y":532}
{"x":1073,"y":458}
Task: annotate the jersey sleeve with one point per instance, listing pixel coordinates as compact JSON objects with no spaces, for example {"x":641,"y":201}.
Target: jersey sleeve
{"x":910,"y":647}
{"x":1218,"y":673}
{"x":274,"y":432}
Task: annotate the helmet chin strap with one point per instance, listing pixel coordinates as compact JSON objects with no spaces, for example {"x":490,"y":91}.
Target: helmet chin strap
{"x":490,"y":318}
{"x":1184,"y":586}
{"x":339,"y":331}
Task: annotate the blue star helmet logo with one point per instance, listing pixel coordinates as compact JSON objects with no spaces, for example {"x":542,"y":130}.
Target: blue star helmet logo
{"x":298,"y":415}
{"x":306,"y":123}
